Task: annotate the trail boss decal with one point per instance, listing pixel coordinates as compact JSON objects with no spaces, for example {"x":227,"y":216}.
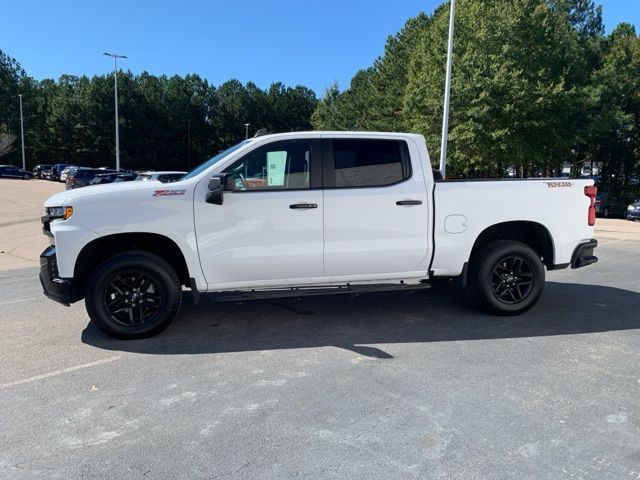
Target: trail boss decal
{"x":166,"y":193}
{"x":559,"y":184}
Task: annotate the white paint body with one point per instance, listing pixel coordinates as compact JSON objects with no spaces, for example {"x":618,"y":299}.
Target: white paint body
{"x":356,"y":235}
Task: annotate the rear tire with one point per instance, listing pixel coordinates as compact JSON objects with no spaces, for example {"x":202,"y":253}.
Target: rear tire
{"x":506,"y":277}
{"x":134,"y":294}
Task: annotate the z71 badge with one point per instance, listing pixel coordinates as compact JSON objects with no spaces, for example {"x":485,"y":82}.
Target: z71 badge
{"x":166,"y":193}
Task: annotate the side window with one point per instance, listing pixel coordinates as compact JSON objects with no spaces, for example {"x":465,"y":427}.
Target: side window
{"x":277,"y":166}
{"x":370,"y":163}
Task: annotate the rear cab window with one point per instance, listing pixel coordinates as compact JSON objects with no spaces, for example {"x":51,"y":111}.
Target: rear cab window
{"x":361,"y":162}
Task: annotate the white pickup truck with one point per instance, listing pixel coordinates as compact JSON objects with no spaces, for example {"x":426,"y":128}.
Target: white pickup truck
{"x":309,"y":213}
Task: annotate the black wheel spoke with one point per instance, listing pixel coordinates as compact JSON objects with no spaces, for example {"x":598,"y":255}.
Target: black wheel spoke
{"x":132,"y":298}
{"x":116,"y":302}
{"x":512,"y":279}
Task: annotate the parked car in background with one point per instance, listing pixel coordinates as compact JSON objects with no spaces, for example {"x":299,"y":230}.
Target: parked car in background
{"x":164,"y":177}
{"x":10,"y":171}
{"x":39,"y":169}
{"x":65,"y":172}
{"x":610,"y":205}
{"x":82,"y":176}
{"x":633,"y":210}
{"x":113,"y":177}
{"x":46,"y":173}
{"x":56,"y":170}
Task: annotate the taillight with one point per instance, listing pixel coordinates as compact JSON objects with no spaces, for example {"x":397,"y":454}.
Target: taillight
{"x":590,"y":191}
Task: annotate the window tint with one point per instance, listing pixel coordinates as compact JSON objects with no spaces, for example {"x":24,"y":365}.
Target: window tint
{"x":277,"y":166}
{"x":370,"y":163}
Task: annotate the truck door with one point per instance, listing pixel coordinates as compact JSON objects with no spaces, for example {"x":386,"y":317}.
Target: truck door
{"x":270,"y":227}
{"x":376,"y":208}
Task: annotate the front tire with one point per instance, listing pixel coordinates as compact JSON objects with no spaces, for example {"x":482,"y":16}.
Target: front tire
{"x":506,"y":277}
{"x":133,"y":295}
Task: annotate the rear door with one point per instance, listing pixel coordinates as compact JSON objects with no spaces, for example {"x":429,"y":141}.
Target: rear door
{"x":376,"y":208}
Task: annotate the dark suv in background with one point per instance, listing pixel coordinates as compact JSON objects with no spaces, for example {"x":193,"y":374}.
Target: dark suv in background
{"x":82,"y":176}
{"x":121,"y":176}
{"x":610,"y":205}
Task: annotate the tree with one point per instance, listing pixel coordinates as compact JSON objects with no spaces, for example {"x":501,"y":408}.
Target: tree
{"x":6,"y":144}
{"x":374,"y":100}
{"x":616,"y":142}
{"x":165,"y":122}
{"x":516,"y":91}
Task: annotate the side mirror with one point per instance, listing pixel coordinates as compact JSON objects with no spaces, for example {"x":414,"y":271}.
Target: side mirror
{"x":216,"y":187}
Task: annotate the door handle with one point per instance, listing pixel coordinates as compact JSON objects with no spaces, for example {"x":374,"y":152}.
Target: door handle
{"x":409,"y":202}
{"x":303,"y":206}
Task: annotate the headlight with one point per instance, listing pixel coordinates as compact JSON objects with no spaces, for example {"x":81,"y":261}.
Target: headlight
{"x":59,"y":213}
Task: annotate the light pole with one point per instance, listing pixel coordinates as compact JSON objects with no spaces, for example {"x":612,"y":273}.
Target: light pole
{"x":115,"y":78}
{"x":24,"y":163}
{"x":246,"y":130}
{"x":447,"y":90}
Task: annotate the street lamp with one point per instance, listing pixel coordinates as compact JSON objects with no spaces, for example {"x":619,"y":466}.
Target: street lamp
{"x":246,"y":130}
{"x":115,"y":77}
{"x":24,"y":163}
{"x":447,"y":90}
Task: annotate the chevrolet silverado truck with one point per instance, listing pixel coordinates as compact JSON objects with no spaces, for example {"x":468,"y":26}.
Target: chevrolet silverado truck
{"x":309,"y":213}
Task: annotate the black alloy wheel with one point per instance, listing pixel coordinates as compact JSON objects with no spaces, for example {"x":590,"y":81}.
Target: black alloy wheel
{"x":512,"y":279}
{"x":132,"y":298}
{"x":135,"y":294}
{"x":506,"y":277}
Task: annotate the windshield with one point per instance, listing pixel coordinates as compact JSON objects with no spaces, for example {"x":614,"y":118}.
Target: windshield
{"x":203,"y":166}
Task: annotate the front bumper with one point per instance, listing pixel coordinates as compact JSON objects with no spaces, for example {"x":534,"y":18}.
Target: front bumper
{"x":56,"y":288}
{"x":633,"y":214}
{"x":583,"y":254}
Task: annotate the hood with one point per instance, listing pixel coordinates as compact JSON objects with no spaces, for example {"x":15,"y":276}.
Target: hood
{"x":63,"y":198}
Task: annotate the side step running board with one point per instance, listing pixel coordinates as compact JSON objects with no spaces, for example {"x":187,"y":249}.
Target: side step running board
{"x":242,"y":295}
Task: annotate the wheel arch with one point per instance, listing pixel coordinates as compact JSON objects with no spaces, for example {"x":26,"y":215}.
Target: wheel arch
{"x":99,"y":250}
{"x":533,"y":234}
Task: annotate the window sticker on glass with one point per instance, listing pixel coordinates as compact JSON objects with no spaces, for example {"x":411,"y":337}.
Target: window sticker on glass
{"x":276,"y":165}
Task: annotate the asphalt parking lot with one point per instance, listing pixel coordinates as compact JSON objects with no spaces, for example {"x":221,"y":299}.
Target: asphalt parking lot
{"x":393,"y":385}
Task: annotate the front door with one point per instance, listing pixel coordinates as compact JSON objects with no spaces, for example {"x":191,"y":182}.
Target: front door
{"x":269,"y":230}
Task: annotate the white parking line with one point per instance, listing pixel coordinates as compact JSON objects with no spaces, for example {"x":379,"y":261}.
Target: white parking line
{"x":59,"y":372}
{"x":18,"y":301}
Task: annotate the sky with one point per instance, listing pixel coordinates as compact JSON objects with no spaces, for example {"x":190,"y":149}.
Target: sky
{"x":296,"y":42}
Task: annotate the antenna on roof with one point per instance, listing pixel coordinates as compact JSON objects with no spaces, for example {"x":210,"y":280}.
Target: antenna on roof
{"x":261,"y":132}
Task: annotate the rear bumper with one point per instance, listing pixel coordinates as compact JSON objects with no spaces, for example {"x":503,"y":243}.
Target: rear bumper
{"x":54,"y":287}
{"x":583,"y":254}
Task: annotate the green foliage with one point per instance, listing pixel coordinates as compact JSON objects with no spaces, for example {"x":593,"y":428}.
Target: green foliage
{"x":374,"y":100}
{"x":617,"y":137}
{"x":165,"y":122}
{"x":515,"y":95}
{"x":535,"y":84}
